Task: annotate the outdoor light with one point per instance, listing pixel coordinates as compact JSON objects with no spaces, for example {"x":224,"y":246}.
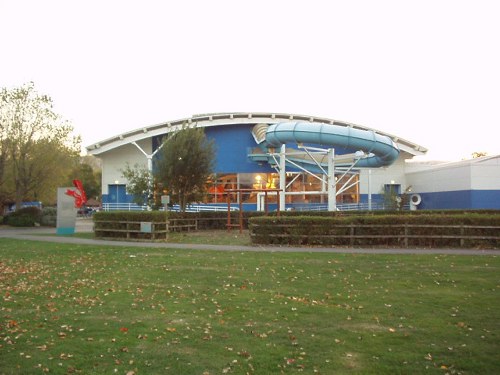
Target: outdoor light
{"x":258,"y":179}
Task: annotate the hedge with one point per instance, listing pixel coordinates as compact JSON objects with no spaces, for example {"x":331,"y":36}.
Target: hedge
{"x":418,"y":230}
{"x":24,"y":217}
{"x":105,"y":221}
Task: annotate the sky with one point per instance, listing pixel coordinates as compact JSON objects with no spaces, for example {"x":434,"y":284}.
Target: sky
{"x":427,"y":71}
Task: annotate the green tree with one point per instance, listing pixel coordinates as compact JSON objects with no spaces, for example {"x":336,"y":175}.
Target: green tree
{"x":394,"y":201}
{"x":139,"y":183}
{"x":37,"y":147}
{"x":184,"y":165}
{"x":89,"y":176}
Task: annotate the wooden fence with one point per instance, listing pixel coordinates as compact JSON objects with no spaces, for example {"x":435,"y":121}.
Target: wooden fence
{"x":142,"y":230}
{"x":404,"y":235}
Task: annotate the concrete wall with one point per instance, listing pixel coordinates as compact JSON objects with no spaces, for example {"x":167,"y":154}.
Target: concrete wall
{"x":116,"y":159}
{"x":485,"y":175}
{"x":394,"y":174}
{"x":455,"y":177}
{"x":471,"y":184}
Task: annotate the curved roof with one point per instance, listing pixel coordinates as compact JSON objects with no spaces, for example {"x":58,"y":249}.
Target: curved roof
{"x":220,"y":119}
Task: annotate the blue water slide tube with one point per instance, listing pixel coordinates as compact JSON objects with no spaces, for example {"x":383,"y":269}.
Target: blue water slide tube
{"x":381,"y":150}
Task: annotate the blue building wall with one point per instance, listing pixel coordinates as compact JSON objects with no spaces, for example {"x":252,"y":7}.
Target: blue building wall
{"x":462,"y":199}
{"x":449,"y":200}
{"x":117,"y":194}
{"x":486,"y":199}
{"x":446,"y":200}
{"x":233,"y":144}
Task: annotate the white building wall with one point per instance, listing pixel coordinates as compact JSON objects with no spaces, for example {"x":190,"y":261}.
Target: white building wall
{"x":485,"y":175}
{"x":452,"y":178}
{"x":394,"y":174}
{"x":115,"y":160}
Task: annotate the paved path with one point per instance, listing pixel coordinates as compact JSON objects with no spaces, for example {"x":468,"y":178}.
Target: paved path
{"x":86,"y":225}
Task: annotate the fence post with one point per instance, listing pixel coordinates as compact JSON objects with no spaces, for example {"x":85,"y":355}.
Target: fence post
{"x":351,"y":239}
{"x":462,"y":232}
{"x":406,"y":235}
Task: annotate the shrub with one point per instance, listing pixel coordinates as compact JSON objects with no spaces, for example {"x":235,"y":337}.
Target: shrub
{"x":49,"y":217}
{"x":423,"y":230}
{"x":24,"y":217}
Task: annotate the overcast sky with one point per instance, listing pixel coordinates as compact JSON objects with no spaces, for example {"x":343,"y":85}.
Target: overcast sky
{"x":427,"y":70}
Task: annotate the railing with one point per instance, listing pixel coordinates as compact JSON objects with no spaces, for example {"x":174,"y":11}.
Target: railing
{"x":375,"y":206}
{"x":123,"y":207}
{"x":223,"y":208}
{"x":202,"y":208}
{"x":175,"y":208}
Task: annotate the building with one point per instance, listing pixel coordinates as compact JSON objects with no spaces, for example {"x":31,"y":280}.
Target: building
{"x":466,"y":184}
{"x":259,"y":150}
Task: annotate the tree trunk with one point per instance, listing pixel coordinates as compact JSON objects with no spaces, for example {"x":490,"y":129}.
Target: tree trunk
{"x":19,"y":197}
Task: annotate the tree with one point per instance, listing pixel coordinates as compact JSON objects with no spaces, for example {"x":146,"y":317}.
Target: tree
{"x":184,"y":164}
{"x":394,"y":201}
{"x":90,"y":176}
{"x":139,"y":183}
{"x":478,"y":154}
{"x":36,"y":145}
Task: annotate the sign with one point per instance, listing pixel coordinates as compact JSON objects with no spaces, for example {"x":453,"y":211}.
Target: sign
{"x":66,"y":212}
{"x":146,"y":227}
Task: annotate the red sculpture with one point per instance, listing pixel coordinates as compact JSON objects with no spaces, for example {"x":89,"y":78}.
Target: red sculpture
{"x":78,"y":194}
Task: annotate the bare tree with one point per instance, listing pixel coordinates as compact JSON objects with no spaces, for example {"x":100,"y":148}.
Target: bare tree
{"x":36,"y":145}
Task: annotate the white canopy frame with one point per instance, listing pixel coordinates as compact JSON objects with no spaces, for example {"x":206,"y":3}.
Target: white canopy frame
{"x":327,"y":177}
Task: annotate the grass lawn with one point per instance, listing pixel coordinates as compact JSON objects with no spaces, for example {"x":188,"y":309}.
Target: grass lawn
{"x":212,"y":237}
{"x":105,"y":310}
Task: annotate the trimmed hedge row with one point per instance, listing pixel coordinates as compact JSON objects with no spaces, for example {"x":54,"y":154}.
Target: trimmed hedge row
{"x":416,"y":230}
{"x":30,"y":217}
{"x":206,"y":220}
{"x":105,"y":221}
{"x":24,"y":217}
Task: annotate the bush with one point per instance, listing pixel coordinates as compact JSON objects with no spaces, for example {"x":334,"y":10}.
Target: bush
{"x":423,"y":230}
{"x":24,"y":217}
{"x":205,"y":220}
{"x":49,"y":217}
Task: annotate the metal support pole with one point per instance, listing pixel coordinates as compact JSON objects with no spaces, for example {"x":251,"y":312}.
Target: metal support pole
{"x":369,"y":189}
{"x":282,"y":201}
{"x":149,"y":158}
{"x":332,"y":184}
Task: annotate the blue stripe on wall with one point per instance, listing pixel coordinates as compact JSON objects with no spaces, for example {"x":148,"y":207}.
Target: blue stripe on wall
{"x":485,"y":199}
{"x":446,"y":200}
{"x":462,"y":199}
